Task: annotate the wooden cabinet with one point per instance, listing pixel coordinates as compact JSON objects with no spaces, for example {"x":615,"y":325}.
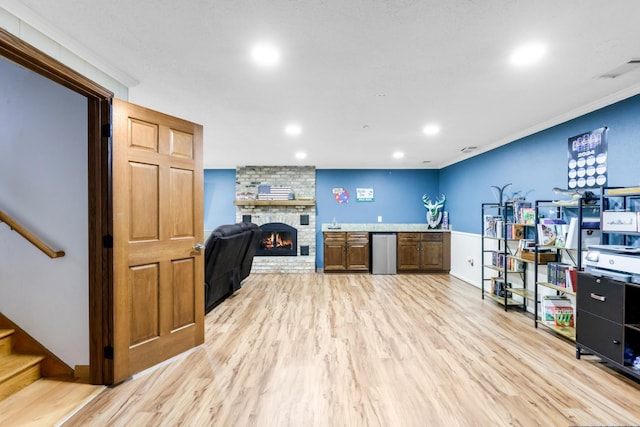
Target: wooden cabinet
{"x":335,"y":253}
{"x":418,"y":252}
{"x":608,"y":322}
{"x":346,"y":251}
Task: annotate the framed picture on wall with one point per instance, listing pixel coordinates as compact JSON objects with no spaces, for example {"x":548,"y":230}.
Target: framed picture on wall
{"x":364,"y":195}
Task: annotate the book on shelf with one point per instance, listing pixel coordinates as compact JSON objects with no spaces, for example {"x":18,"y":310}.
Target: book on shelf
{"x":490,"y":226}
{"x":523,"y":244}
{"x":515,"y":232}
{"x":518,"y":207}
{"x":552,"y":232}
{"x":562,"y":275}
{"x":528,"y":216}
{"x":572,"y":234}
{"x":498,"y":287}
{"x":500,"y":228}
{"x":572,"y":279}
{"x":557,"y":311}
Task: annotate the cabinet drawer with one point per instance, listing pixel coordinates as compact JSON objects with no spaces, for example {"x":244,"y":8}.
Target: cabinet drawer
{"x":335,"y":236}
{"x":409,"y":237}
{"x":600,"y":296}
{"x":600,"y":335}
{"x":432,"y":237}
{"x":358,"y":235}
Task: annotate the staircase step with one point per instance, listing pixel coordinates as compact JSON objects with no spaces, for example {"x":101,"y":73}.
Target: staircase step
{"x":5,"y":341}
{"x":18,"y":371}
{"x":46,"y":402}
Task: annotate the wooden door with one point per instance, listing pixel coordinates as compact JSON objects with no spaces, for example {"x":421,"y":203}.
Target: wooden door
{"x":158,"y":267}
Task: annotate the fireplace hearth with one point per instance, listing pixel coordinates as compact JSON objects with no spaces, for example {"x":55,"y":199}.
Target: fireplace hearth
{"x":278,"y":239}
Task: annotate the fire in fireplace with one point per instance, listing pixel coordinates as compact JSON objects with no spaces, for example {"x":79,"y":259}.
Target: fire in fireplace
{"x":278,"y":239}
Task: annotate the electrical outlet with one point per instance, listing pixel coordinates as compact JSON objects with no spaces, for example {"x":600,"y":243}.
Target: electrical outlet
{"x":379,"y":218}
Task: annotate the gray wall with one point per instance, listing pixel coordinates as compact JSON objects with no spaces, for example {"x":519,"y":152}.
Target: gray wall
{"x":43,"y":186}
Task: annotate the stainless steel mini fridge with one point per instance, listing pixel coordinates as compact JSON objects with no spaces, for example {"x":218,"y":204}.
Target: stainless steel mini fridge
{"x":383,"y":253}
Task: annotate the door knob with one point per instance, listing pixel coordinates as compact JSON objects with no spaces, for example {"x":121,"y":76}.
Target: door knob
{"x":198,"y":246}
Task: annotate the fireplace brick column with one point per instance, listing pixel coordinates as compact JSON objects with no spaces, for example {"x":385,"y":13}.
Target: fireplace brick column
{"x":302,"y":180}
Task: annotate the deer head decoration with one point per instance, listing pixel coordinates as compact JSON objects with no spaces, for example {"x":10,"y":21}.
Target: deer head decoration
{"x":434,"y":214}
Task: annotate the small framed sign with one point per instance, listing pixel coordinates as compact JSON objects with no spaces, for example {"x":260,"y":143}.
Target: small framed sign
{"x":364,"y":195}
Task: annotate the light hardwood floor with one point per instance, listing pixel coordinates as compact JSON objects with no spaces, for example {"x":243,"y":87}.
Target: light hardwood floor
{"x":369,"y":350}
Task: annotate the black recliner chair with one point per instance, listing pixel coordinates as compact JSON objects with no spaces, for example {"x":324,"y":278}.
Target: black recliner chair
{"x":229,"y":253}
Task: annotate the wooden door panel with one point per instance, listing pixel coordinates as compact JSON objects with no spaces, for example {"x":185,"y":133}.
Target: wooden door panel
{"x":184,"y":310}
{"x":432,"y":255}
{"x":335,"y":256}
{"x":408,"y":255}
{"x":182,"y":144}
{"x":144,"y":209}
{"x":144,"y":292}
{"x":358,"y":256}
{"x":181,"y":200}
{"x":158,"y":284}
{"x":143,"y":135}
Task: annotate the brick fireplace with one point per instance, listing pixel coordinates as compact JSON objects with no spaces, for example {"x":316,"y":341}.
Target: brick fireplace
{"x":301,"y":216}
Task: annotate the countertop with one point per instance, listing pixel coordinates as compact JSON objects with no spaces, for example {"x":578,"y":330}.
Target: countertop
{"x":381,"y":227}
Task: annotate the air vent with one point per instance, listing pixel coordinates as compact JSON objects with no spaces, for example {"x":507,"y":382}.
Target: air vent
{"x":469,"y":149}
{"x":622,"y":69}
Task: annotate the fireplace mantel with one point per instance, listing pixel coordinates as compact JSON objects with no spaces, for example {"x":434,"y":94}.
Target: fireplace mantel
{"x":249,"y":204}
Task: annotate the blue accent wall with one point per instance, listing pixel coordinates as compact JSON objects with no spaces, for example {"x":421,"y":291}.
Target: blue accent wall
{"x":219,"y":193}
{"x":538,"y":163}
{"x":397,"y":197}
{"x":534,"y":165}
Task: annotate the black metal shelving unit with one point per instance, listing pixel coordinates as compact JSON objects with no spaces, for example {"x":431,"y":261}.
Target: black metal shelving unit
{"x":503,"y":214}
{"x":572,"y":256}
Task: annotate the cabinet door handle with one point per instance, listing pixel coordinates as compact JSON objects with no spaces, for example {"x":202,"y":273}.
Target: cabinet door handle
{"x":598,"y":297}
{"x":616,"y":342}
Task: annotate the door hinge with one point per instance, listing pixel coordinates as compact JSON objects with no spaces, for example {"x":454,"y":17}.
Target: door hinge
{"x":107,"y":241}
{"x":106,"y":130}
{"x":108,"y":352}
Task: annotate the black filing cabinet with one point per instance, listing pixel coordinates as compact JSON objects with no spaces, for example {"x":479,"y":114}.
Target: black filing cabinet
{"x":608,"y":321}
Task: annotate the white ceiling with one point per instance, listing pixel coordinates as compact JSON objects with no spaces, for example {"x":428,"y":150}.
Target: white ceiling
{"x":362,"y":77}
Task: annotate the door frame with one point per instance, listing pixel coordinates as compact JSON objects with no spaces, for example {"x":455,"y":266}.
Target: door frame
{"x":99,"y":189}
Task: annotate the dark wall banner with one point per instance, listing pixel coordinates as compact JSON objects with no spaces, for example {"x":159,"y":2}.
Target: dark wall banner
{"x":587,"y":159}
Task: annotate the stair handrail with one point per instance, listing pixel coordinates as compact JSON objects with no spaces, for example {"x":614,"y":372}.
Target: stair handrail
{"x":30,"y":236}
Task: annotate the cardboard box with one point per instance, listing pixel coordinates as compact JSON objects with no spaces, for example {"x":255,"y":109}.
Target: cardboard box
{"x":543,"y":257}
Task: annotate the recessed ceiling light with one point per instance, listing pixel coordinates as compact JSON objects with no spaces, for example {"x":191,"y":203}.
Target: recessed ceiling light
{"x":431,"y":130}
{"x":528,"y":54}
{"x":398,"y":155}
{"x":301,"y":155}
{"x":293,"y":129}
{"x":265,"y":55}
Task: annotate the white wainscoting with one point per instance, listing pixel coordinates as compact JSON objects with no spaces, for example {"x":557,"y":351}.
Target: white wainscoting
{"x":466,"y":257}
